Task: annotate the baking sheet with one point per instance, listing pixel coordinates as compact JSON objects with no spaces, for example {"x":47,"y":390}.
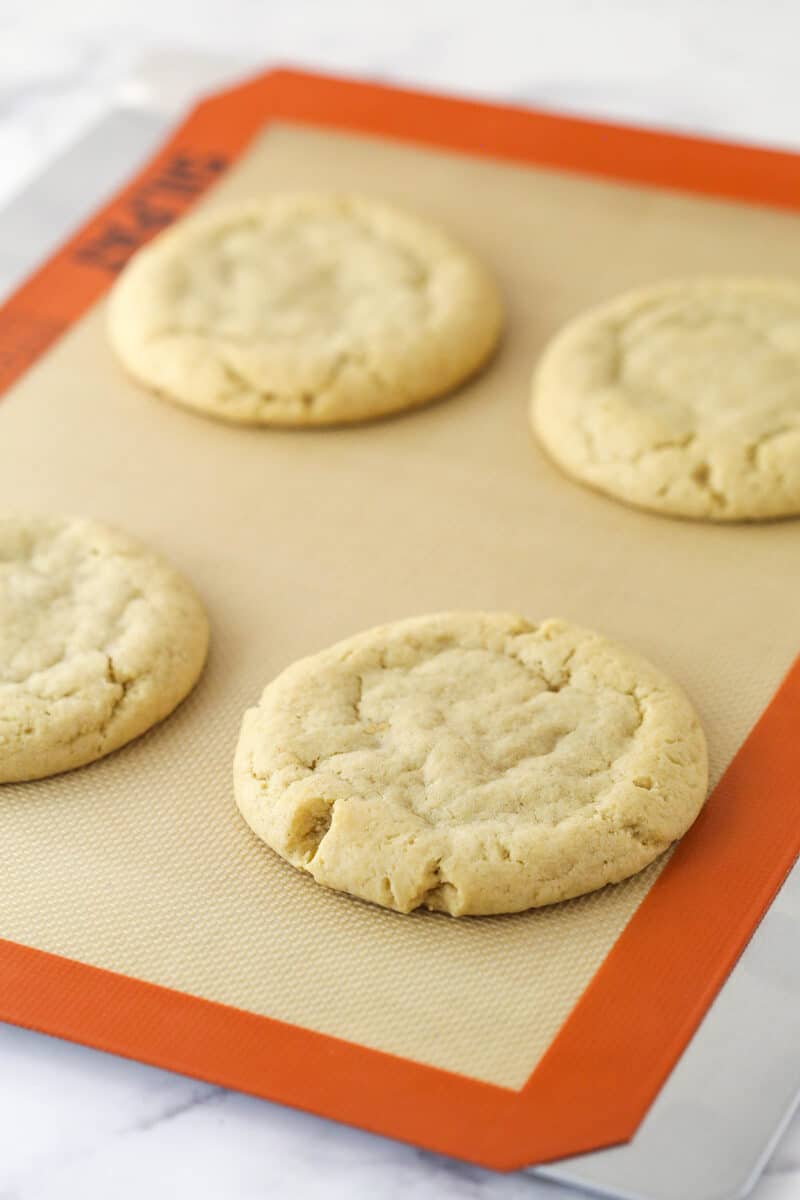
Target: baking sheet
{"x":525,"y":519}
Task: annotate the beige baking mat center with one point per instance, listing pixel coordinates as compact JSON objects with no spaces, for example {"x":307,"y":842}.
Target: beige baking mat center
{"x":140,"y":863}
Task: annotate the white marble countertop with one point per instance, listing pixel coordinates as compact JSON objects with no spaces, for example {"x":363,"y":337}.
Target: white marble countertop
{"x":77,"y":1123}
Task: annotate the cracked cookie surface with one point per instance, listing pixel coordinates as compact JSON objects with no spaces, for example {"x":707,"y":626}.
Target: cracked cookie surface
{"x":99,"y":640}
{"x":304,"y":309}
{"x":471,"y":763}
{"x":682,"y":398}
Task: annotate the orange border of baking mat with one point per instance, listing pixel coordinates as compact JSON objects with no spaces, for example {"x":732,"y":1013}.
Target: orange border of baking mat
{"x":595,"y":1083}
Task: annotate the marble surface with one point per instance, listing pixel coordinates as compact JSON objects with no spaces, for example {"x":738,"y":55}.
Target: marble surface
{"x":74,"y":1122}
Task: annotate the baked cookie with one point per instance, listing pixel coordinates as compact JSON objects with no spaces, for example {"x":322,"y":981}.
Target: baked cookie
{"x":682,"y":398}
{"x":471,"y":763}
{"x":99,"y":639}
{"x":306,"y":309}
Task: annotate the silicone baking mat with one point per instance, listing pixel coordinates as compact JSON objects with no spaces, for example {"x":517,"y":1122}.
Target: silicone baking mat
{"x":502,"y":1040}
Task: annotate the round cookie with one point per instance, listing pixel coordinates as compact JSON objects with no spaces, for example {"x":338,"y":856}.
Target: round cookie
{"x":99,"y":639}
{"x":304,"y":309}
{"x":471,"y":763}
{"x":682,"y":398}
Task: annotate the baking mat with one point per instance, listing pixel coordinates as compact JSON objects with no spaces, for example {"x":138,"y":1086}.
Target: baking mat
{"x":139,"y":864}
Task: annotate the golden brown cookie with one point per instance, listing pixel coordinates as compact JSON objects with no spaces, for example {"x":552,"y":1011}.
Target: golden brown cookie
{"x":683,"y":398}
{"x":99,"y":639}
{"x":307,"y":309}
{"x":471,"y":763}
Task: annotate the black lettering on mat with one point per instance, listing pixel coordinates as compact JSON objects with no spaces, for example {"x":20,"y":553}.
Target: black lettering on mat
{"x":153,"y":205}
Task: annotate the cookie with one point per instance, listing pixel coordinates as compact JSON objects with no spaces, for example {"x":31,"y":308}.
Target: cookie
{"x":306,"y":309}
{"x":470,"y":763}
{"x":99,"y":639}
{"x":682,"y":398}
